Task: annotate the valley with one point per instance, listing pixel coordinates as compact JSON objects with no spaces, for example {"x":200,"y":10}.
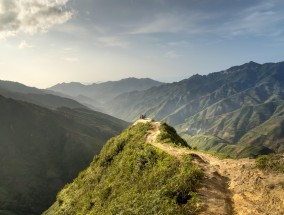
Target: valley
{"x":131,"y":107}
{"x":223,"y":122}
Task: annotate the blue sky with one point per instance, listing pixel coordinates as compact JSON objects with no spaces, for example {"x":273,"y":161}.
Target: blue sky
{"x":44,"y":42}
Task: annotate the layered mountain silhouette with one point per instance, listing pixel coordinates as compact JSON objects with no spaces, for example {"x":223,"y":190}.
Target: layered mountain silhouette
{"x":43,"y":149}
{"x":95,"y":95}
{"x":239,"y":110}
{"x":33,"y":95}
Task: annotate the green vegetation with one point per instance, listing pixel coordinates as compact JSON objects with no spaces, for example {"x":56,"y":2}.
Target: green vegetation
{"x":242,"y":107}
{"x":130,"y":176}
{"x":169,"y":135}
{"x":272,"y":162}
{"x":222,"y":149}
{"x":41,"y":150}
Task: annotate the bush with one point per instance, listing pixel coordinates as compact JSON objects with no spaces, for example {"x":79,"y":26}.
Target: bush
{"x":272,"y":162}
{"x":169,"y":135}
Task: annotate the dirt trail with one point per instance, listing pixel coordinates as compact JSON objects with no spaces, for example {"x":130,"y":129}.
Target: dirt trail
{"x":230,"y":186}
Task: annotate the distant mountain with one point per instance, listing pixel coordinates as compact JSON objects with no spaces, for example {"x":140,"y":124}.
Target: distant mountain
{"x":97,"y":94}
{"x":132,"y":176}
{"x":43,"y":149}
{"x":20,"y":88}
{"x":33,"y":95}
{"x":241,"y":107}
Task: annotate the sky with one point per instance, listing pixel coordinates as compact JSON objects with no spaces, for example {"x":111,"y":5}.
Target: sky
{"x":44,"y":42}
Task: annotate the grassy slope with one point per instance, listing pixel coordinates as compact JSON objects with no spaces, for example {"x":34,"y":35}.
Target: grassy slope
{"x":246,"y":132}
{"x":271,"y":162}
{"x":132,"y":177}
{"x":41,"y":150}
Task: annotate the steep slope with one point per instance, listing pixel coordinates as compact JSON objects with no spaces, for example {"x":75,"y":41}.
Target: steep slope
{"x":138,"y":176}
{"x":97,"y":94}
{"x":41,"y":150}
{"x":36,"y":96}
{"x":131,"y":176}
{"x":226,"y":105}
{"x":233,"y":186}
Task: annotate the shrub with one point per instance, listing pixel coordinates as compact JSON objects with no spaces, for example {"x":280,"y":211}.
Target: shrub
{"x":272,"y":162}
{"x":169,"y":135}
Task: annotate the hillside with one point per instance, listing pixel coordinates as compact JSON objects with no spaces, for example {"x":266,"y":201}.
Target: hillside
{"x":234,"y":106}
{"x":36,"y":96}
{"x":97,"y":94}
{"x":41,"y":150}
{"x":131,"y":176}
{"x":147,"y":170}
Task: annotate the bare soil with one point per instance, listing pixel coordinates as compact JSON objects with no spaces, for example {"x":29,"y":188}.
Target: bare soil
{"x":230,"y":186}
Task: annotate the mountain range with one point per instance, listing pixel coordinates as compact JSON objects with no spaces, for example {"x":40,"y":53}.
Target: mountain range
{"x":239,"y":108}
{"x":49,"y":135}
{"x":95,"y":95}
{"x":33,"y":95}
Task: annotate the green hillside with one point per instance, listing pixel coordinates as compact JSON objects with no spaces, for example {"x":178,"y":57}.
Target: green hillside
{"x":241,"y":106}
{"x":41,"y":150}
{"x":131,"y":176}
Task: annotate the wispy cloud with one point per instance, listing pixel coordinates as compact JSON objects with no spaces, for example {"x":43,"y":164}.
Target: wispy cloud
{"x":172,"y":54}
{"x":24,"y":45}
{"x":71,"y":59}
{"x":68,"y":49}
{"x":162,"y":23}
{"x":112,"y":41}
{"x":31,"y":16}
{"x":257,"y":20}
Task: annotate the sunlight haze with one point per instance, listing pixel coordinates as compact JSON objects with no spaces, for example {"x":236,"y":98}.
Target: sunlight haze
{"x":44,"y":42}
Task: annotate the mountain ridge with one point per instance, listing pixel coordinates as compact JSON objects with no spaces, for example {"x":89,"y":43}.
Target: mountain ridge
{"x":99,"y":93}
{"x":221,"y":186}
{"x":132,"y":176}
{"x":36,"y":96}
{"x":204,"y":96}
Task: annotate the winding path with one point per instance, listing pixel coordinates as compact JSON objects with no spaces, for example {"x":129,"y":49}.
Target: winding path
{"x":230,"y":186}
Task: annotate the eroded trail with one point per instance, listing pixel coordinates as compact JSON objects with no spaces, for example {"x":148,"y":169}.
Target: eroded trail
{"x":230,"y":186}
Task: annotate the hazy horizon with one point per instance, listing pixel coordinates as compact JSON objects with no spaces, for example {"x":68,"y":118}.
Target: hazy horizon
{"x":45,"y":42}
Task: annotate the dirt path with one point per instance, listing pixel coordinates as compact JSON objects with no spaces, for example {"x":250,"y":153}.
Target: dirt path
{"x":231,"y":186}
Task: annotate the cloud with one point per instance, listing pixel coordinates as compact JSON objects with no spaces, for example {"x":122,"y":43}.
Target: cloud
{"x":172,"y":54}
{"x":68,"y":49}
{"x":261,"y":19}
{"x":257,"y":20}
{"x":112,"y":42}
{"x":71,"y":59}
{"x":162,"y":23}
{"x":24,"y":45}
{"x":31,"y":16}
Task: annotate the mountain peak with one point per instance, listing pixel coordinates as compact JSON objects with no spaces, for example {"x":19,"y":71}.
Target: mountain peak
{"x":143,"y":166}
{"x":253,"y":63}
{"x":134,"y":170}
